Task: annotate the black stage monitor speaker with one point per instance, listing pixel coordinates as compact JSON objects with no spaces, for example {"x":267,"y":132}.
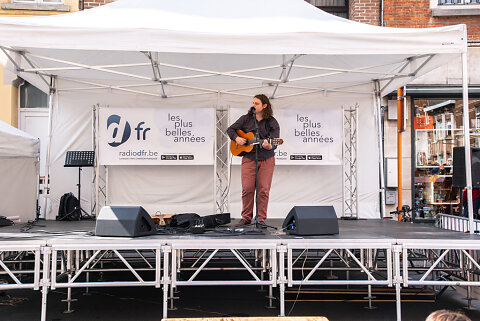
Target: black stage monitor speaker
{"x":130,"y":221}
{"x":311,"y":220}
{"x":459,"y":179}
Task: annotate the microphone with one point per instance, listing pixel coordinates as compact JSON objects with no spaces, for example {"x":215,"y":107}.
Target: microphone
{"x":252,"y":109}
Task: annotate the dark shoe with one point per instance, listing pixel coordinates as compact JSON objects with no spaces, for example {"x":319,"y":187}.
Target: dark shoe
{"x":242,"y":222}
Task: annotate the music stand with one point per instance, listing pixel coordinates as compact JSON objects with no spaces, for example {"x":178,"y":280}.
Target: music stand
{"x":80,"y":159}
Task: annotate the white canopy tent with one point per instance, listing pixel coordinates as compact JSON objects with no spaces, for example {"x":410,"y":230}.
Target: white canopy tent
{"x":19,"y":159}
{"x":219,"y":53}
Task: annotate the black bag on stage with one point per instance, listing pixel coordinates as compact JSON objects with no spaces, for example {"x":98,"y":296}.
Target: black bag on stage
{"x":69,"y":208}
{"x":216,"y":220}
{"x":184,"y":220}
{"x":188,"y":219}
{"x":5,"y":221}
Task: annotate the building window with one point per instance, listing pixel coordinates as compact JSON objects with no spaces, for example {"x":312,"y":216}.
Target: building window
{"x":36,"y":5}
{"x":39,"y":1}
{"x":447,"y":2}
{"x":32,"y":97}
{"x":451,"y":8}
{"x":335,"y":7}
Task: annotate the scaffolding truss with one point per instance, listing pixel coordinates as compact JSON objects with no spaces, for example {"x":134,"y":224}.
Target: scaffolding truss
{"x":350,"y":163}
{"x":222,"y":160}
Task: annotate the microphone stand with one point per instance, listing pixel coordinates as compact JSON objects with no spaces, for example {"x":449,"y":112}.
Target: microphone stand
{"x":256,"y":222}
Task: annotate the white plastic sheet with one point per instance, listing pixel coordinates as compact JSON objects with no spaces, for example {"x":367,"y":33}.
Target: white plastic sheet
{"x":19,"y":154}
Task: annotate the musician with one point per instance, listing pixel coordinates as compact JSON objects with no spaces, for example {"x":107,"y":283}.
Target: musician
{"x":268,"y":127}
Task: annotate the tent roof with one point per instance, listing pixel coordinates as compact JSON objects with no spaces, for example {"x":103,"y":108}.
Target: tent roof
{"x":16,"y":143}
{"x":166,"y":48}
{"x":222,"y":26}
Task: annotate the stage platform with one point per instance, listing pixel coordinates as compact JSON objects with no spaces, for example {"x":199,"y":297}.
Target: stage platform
{"x":366,"y":253}
{"x":54,"y":232}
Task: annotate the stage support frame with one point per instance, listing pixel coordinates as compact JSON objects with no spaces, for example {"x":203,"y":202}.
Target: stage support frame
{"x":222,"y":159}
{"x":76,"y":262}
{"x":350,"y":163}
{"x":17,"y":283}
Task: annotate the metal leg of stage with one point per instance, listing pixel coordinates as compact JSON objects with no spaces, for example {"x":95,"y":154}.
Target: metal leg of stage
{"x":36,"y":275}
{"x":69,"y":299}
{"x":180,"y":259}
{"x":369,"y":297}
{"x":45,"y":281}
{"x":87,"y":278}
{"x":397,"y":279}
{"x":370,"y":262}
{"x":269,"y":267}
{"x":172,"y":297}
{"x":166,"y":279}
{"x":262,"y":277}
{"x":175,"y":262}
{"x":281,"y":279}
{"x":399,"y":301}
{"x":87,"y":274}
{"x":100,"y":276}
{"x":469,"y":288}
{"x":270,"y":297}
{"x":85,"y":257}
{"x":262,"y":272}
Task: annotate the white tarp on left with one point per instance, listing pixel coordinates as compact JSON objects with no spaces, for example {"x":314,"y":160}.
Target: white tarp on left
{"x":19,"y":154}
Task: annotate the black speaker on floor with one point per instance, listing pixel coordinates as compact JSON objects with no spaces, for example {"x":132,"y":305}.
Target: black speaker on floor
{"x":130,"y":221}
{"x":459,"y":177}
{"x":311,"y":220}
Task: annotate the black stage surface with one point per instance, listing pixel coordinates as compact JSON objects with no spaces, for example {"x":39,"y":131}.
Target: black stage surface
{"x":350,"y":230}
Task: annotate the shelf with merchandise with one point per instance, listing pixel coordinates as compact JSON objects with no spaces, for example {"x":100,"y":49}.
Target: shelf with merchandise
{"x":437,"y":129}
{"x":434,"y":193}
{"x":430,"y":210}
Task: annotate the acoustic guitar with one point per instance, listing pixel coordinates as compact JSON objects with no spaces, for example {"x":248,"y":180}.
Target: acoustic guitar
{"x":240,"y":150}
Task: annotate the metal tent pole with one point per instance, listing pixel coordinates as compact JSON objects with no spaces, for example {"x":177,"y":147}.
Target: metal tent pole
{"x":380,"y":147}
{"x":46,"y":183}
{"x":466,"y":137}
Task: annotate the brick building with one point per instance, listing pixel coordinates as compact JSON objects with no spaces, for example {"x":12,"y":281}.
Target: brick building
{"x":88,"y":4}
{"x":433,"y":13}
{"x":408,"y":13}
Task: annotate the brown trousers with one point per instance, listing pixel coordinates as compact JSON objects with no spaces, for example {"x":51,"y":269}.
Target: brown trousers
{"x":265,"y":174}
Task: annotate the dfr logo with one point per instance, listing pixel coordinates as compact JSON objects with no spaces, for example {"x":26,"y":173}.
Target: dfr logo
{"x":119,"y":130}
{"x":139,"y":129}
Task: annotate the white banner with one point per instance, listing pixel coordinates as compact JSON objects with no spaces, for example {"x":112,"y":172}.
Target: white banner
{"x":311,"y":136}
{"x":156,"y":136}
